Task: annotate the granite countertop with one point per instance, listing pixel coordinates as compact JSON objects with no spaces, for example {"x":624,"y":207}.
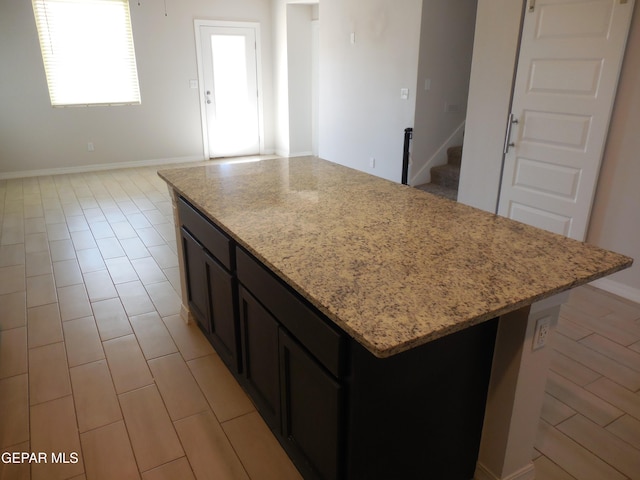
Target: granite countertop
{"x":393,"y":266}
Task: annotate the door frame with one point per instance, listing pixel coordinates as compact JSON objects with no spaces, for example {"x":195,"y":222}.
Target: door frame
{"x":201,"y":90}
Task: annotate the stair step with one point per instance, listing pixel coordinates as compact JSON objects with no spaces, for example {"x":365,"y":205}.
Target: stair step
{"x":446,"y":176}
{"x":454,"y":155}
{"x":439,"y":190}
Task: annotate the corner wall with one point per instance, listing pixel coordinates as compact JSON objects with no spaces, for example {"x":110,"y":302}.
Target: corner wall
{"x":299,"y":55}
{"x":446,"y":48}
{"x":361,"y":113}
{"x":494,"y":56}
{"x":280,"y":77}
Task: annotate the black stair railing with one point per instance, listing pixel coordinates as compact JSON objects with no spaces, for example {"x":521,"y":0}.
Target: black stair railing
{"x":408,"y":135}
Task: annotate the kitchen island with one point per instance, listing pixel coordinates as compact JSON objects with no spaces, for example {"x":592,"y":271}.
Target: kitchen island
{"x":360,"y":314}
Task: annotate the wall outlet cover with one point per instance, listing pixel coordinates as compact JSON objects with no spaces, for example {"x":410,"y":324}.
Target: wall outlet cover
{"x":541,"y":332}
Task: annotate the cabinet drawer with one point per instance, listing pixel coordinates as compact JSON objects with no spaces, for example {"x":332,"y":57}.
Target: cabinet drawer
{"x":325,"y":342}
{"x":214,"y":240}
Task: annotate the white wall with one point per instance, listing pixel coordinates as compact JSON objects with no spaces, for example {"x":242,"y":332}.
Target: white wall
{"x":361,"y":113}
{"x":495,"y":48}
{"x":315,"y":82}
{"x":446,"y":47}
{"x":280,"y":77}
{"x":615,"y":217}
{"x":299,"y":58}
{"x":36,"y":137}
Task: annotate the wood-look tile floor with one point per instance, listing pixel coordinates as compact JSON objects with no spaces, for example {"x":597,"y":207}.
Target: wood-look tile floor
{"x":95,"y":360}
{"x":590,"y":422}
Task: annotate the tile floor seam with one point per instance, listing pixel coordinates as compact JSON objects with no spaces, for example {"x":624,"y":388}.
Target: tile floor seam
{"x":84,"y":467}
{"x":111,"y":380}
{"x":595,"y":453}
{"x":124,"y":423}
{"x":570,"y":379}
{"x":593,"y":348}
{"x":241,"y":415}
{"x":170,"y":421}
{"x":173,"y":425}
{"x":235,"y":451}
{"x":620,"y":368}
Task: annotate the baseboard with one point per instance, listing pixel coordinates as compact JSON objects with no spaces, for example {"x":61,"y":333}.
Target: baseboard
{"x":525,"y":473}
{"x":185,"y":314}
{"x":300,"y":154}
{"x":617,"y":288}
{"x":98,"y":167}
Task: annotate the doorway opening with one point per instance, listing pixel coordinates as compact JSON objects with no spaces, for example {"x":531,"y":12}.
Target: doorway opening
{"x":302,"y":24}
{"x":230,"y":88}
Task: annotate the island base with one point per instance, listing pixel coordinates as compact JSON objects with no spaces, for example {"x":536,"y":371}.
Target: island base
{"x":419,"y":414}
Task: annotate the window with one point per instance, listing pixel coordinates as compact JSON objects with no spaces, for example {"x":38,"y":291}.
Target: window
{"x":87,"y":49}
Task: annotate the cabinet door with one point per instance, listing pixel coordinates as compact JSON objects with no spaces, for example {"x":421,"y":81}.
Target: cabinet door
{"x":312,"y":406}
{"x":196,"y":277}
{"x":260,"y":357}
{"x":223,"y":327}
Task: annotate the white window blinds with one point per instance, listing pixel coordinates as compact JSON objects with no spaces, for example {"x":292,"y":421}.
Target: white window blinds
{"x":87,"y":49}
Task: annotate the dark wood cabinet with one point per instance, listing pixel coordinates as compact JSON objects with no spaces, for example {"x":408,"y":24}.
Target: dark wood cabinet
{"x":307,"y":415}
{"x":422,"y":409}
{"x":222,"y":296}
{"x":211,"y":287}
{"x":195,"y":275}
{"x":345,"y":414}
{"x":261,"y":374}
{"x":339,"y":412}
{"x":312,"y":404}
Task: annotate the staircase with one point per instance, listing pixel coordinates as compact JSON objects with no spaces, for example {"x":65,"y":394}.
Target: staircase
{"x":445,"y":178}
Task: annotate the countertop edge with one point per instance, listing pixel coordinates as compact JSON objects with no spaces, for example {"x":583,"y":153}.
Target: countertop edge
{"x":376,"y":350}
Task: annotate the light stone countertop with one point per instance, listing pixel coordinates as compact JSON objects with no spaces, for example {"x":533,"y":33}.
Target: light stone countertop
{"x":393,"y":266}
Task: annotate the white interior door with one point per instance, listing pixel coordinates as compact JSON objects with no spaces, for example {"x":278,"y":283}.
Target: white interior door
{"x":567,"y":74}
{"x":230,"y":90}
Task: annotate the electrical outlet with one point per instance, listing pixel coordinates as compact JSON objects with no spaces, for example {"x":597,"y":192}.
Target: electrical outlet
{"x":372,"y":162}
{"x":90,"y":147}
{"x":541,"y":332}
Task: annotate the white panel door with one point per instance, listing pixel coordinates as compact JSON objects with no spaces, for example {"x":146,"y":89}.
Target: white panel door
{"x":567,"y":74}
{"x":229,"y":68}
